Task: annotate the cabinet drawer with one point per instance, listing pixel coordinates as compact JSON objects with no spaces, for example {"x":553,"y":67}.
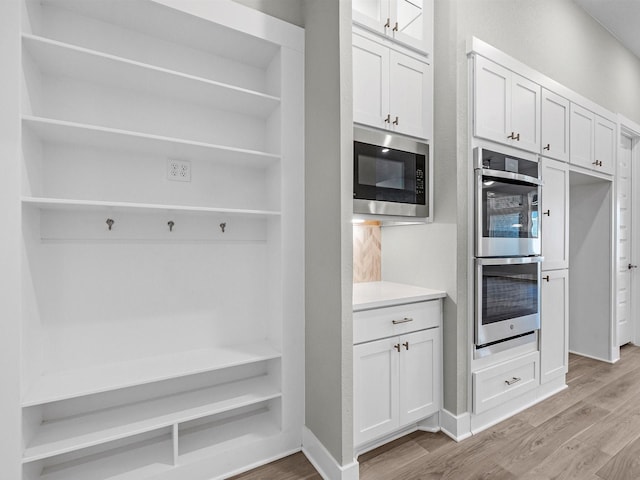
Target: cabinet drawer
{"x":499,"y":383}
{"x":389,"y":321}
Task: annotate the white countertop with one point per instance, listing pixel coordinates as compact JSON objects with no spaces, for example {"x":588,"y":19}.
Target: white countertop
{"x":385,"y":294}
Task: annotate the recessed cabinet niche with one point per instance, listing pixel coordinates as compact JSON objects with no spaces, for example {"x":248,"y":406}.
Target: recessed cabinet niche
{"x":392,"y":90}
{"x":161,"y":164}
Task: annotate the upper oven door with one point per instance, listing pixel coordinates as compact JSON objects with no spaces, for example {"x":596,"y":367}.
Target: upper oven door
{"x":389,"y":175}
{"x":507,"y":214}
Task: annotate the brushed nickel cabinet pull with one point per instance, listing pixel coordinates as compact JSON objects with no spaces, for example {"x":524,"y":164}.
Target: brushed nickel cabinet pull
{"x":547,"y":213}
{"x":396,"y":121}
{"x":406,"y":345}
{"x":514,"y":136}
{"x":388,"y":24}
{"x":513,"y":380}
{"x":404,"y":320}
{"x":548,"y":147}
{"x":388,"y":119}
{"x":395,"y":28}
{"x":632,"y":266}
{"x":597,"y":163}
{"x":546,"y":278}
{"x":110,"y":222}
{"x":397,"y":347}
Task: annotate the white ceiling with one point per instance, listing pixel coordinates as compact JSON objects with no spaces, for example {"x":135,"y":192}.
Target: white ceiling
{"x":620,"y":17}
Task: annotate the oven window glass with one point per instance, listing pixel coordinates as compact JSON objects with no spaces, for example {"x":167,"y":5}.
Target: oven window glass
{"x":509,"y":291}
{"x":509,"y":209}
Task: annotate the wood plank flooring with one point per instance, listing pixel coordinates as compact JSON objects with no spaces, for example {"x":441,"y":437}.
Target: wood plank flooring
{"x":590,"y":431}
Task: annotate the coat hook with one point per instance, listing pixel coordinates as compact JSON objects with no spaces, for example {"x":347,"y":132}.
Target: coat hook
{"x":171,"y":223}
{"x":223,"y":225}
{"x":110,"y":222}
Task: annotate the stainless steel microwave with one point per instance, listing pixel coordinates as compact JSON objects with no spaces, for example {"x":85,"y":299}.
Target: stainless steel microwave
{"x":390,"y":174}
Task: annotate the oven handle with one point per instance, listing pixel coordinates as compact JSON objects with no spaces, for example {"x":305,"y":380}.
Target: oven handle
{"x":509,"y":260}
{"x":486,"y":172}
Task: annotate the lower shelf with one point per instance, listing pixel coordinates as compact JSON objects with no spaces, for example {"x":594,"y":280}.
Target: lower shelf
{"x":75,"y":383}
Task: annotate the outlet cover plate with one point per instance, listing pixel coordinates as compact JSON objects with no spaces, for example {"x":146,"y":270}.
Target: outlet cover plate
{"x":179,"y":170}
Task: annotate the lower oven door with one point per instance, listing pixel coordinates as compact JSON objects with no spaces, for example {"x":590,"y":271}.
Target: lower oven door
{"x":507,"y":298}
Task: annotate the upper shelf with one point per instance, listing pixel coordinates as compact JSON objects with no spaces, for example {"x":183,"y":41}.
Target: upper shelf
{"x":61,"y":59}
{"x":63,"y":385}
{"x":59,"y":131}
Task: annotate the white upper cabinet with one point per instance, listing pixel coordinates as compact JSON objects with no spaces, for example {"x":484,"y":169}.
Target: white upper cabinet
{"x":554,"y":218}
{"x":407,"y":22}
{"x":391,"y":90}
{"x":555,"y":126}
{"x":592,"y":140}
{"x":507,"y":106}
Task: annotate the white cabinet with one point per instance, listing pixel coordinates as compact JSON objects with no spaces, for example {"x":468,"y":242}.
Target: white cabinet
{"x":397,"y":378}
{"x":139,"y":354}
{"x":593,"y":140}
{"x":554,"y":321}
{"x":408,"y":22}
{"x":506,"y":106}
{"x":554,"y":216}
{"x":554,"y":129}
{"x":391,"y":90}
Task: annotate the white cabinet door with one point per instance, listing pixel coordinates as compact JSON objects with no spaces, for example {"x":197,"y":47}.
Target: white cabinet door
{"x":582,"y":126}
{"x":492,"y":98}
{"x":419,"y":375}
{"x":554,"y":135}
{"x":370,"y":82}
{"x":410,"y":95}
{"x":373,"y":14}
{"x":412,"y":23}
{"x":506,"y":106}
{"x":554,"y":320}
{"x":376,"y":388}
{"x":525,"y":113}
{"x":605,"y":144}
{"x":554,"y":216}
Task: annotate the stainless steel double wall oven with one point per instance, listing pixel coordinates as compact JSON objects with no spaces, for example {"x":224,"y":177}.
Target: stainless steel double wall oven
{"x":507,"y":247}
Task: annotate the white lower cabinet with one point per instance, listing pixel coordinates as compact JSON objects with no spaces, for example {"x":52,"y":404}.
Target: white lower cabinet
{"x":497,"y":384}
{"x":396,"y":379}
{"x":554,"y":319}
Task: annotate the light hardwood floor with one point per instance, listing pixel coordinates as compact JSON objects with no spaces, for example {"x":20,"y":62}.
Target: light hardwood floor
{"x":590,"y":431}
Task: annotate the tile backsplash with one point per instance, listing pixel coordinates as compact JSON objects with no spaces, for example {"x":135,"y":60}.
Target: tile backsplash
{"x":367,"y":252}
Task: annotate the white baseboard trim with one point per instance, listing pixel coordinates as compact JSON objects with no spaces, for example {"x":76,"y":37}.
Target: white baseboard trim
{"x":323,"y":461}
{"x":458,"y":427}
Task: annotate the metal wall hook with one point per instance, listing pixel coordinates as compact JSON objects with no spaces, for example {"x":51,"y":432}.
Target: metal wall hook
{"x":171,"y":223}
{"x":223,"y":225}
{"x":110,"y":222}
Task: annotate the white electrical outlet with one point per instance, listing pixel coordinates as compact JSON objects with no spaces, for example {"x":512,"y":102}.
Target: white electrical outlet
{"x":179,"y":170}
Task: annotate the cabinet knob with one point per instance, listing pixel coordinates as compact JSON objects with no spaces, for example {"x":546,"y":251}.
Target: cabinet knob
{"x":547,"y":213}
{"x":388,"y":119}
{"x":397,"y":347}
{"x":396,"y":121}
{"x":546,"y":278}
{"x":630,"y":266}
{"x":548,"y":147}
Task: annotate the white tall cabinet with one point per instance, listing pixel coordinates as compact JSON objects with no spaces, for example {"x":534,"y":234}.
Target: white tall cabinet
{"x":162,"y":239}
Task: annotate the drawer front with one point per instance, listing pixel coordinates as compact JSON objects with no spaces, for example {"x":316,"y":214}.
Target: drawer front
{"x":499,"y":383}
{"x":390,"y":321}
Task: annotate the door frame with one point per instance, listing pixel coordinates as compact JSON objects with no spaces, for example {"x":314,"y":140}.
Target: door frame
{"x":631,"y":129}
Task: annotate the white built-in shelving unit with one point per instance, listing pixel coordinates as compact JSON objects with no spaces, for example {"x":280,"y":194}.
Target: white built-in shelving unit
{"x":162,"y":317}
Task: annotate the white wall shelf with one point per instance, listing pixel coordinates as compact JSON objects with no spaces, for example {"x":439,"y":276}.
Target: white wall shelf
{"x":66,"y":435}
{"x":73,"y":133}
{"x":61,"y":59}
{"x":78,"y":205}
{"x":63,"y":385}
